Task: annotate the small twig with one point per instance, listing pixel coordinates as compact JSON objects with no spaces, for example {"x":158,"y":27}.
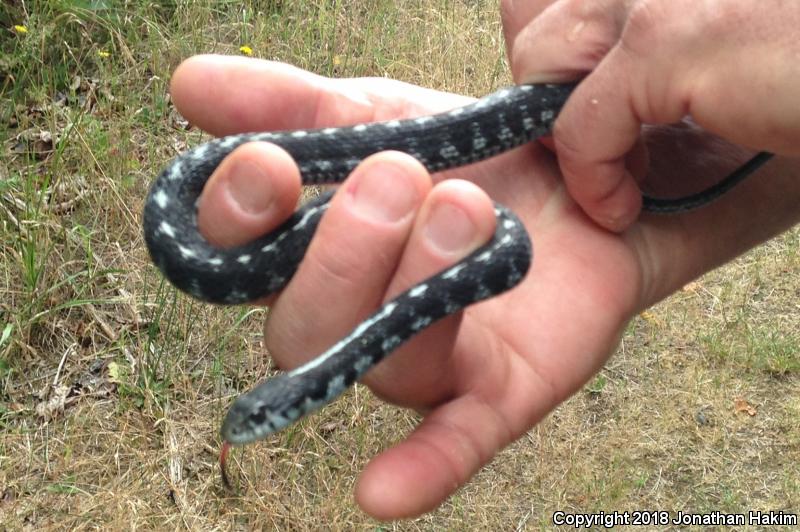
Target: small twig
{"x":67,"y":351}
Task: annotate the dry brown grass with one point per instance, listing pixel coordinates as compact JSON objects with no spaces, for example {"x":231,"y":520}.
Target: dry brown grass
{"x":130,"y":380}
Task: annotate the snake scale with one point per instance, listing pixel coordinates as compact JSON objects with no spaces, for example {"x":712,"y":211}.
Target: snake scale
{"x":492,"y":125}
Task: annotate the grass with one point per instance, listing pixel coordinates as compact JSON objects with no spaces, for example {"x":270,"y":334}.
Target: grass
{"x":113,"y":386}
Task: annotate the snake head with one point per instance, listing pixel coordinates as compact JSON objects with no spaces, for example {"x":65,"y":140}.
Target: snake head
{"x":267,"y":408}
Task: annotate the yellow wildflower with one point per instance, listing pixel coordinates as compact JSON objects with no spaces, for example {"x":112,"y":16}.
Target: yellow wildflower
{"x":103,"y":53}
{"x":19,"y":28}
{"x":246,"y":50}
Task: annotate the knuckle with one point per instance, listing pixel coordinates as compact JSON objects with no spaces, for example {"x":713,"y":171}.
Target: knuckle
{"x":594,"y":48}
{"x":645,"y":28}
{"x":338,"y":265}
{"x":595,"y":29}
{"x":654,"y":26}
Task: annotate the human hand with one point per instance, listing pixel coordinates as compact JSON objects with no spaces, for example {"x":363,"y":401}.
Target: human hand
{"x":731,"y":65}
{"x":483,"y":377}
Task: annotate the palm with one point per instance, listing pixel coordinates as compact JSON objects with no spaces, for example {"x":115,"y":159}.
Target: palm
{"x":512,"y":359}
{"x":516,"y":357}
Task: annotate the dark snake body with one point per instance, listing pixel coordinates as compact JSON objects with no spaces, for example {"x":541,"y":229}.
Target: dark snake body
{"x":490,"y":126}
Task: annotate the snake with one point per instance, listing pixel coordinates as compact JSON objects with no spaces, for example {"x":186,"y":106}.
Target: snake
{"x":494,"y":124}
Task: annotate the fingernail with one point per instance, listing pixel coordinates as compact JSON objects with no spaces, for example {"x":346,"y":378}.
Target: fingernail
{"x":250,"y":187}
{"x":450,"y":229}
{"x":383,"y":192}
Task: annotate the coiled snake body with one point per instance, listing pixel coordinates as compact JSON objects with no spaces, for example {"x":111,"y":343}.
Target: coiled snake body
{"x":492,"y":125}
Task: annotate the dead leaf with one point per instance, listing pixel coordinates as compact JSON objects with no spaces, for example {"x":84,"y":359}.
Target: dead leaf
{"x":116,"y":374}
{"x":331,"y":426}
{"x":691,"y":287}
{"x":36,"y":143}
{"x":55,"y":405}
{"x":90,"y":383}
{"x":742,"y":406}
{"x":651,"y":318}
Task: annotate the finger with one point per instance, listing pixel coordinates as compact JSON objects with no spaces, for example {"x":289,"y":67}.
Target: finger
{"x":601,"y":123}
{"x":593,"y":135}
{"x":251,"y":192}
{"x":256,"y":95}
{"x":516,"y":14}
{"x":566,"y":41}
{"x":448,"y":447}
{"x":456,"y":219}
{"x":350,"y":260}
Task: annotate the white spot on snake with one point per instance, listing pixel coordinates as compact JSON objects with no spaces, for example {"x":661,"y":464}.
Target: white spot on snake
{"x":509,"y":223}
{"x":423,"y":120}
{"x":391,"y":343}
{"x":187,"y":253}
{"x":505,"y":133}
{"x":236,"y":296}
{"x":229,"y":142}
{"x":216,"y":261}
{"x":392,"y":123}
{"x":195,"y":290}
{"x":276,"y":283}
{"x":478,"y":143}
{"x":502,"y":93}
{"x":299,"y":134}
{"x":506,"y":240}
{"x":330,"y":130}
{"x":199,"y":152}
{"x":324,"y":165}
{"x":527,"y":123}
{"x":277,"y":421}
{"x":421,"y":323}
{"x":456,"y":112}
{"x":360,"y":127}
{"x":176,"y":171}
{"x":244,"y":259}
{"x":547,"y":115}
{"x":357,"y":333}
{"x":453,"y":272}
{"x":417,"y":291}
{"x":269,"y":248}
{"x":309,"y":405}
{"x":263,"y":136}
{"x":484,"y":257}
{"x":362,"y":364}
{"x":161,"y":198}
{"x":482,"y":293}
{"x":449,"y":151}
{"x":335,"y":387}
{"x":167,"y":229}
{"x":526,"y":88}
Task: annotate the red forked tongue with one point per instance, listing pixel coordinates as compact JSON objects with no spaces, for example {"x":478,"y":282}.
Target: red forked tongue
{"x":223,"y":455}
